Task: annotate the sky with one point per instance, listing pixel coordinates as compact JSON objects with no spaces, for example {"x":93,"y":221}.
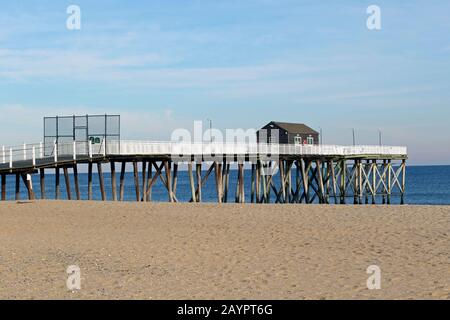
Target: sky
{"x":162,"y":65}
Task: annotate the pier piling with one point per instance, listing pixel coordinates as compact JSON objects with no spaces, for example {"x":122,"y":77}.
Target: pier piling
{"x":57,"y":191}
{"x":90,"y":180}
{"x":113,"y":181}
{"x":75,"y":181}
{"x":17,"y":186}
{"x":122,"y":180}
{"x":101,"y":180}
{"x":67,"y":181}
{"x":3,"y":176}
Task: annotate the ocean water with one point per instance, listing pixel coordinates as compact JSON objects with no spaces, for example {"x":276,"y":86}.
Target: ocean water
{"x":425,"y":185}
{"x":428,"y":185}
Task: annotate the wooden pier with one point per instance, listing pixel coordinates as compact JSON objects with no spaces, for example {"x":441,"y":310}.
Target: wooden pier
{"x":278,"y":173}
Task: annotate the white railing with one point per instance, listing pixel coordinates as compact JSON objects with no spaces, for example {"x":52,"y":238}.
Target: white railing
{"x":175,"y":148}
{"x":76,"y":149}
{"x":61,"y":151}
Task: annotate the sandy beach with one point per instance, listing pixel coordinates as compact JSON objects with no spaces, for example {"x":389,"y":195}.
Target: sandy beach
{"x":183,"y":251}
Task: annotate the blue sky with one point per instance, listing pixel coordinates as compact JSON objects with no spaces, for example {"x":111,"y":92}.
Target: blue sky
{"x":164,"y":64}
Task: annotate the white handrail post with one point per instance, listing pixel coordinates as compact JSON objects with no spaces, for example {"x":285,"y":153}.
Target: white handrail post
{"x":4,"y":155}
{"x":34,"y":156}
{"x":41,"y":150}
{"x":10,"y":158}
{"x":24,"y":151}
{"x":90,"y":148}
{"x":55,"y":150}
{"x":74,"y":150}
{"x":104,"y":147}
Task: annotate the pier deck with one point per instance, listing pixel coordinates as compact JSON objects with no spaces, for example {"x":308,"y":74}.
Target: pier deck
{"x":306,"y":173}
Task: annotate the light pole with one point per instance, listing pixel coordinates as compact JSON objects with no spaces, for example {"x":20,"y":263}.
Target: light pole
{"x":210,"y":129}
{"x":380,"y":137}
{"x":354,"y":140}
{"x":321,"y":136}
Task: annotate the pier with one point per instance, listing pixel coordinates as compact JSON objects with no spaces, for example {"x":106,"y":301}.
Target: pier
{"x":280,"y":173}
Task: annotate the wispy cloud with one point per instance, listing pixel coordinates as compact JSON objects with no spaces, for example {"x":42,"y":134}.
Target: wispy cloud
{"x":57,"y":63}
{"x":140,"y":70}
{"x":369,"y":94}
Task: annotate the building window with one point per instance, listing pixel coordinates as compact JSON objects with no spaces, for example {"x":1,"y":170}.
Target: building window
{"x":310,"y":140}
{"x":298,"y":140}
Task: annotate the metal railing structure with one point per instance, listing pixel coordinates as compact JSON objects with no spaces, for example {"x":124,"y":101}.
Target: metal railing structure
{"x":75,"y":150}
{"x":176,"y":148}
{"x":65,"y":129}
{"x":50,"y":152}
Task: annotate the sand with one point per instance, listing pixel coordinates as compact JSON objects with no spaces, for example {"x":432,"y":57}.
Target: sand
{"x":183,"y":251}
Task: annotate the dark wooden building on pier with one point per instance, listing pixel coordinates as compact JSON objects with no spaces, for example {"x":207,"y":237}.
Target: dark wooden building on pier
{"x":288,"y":133}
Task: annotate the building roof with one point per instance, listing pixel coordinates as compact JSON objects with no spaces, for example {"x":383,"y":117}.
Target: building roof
{"x":295,"y":128}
